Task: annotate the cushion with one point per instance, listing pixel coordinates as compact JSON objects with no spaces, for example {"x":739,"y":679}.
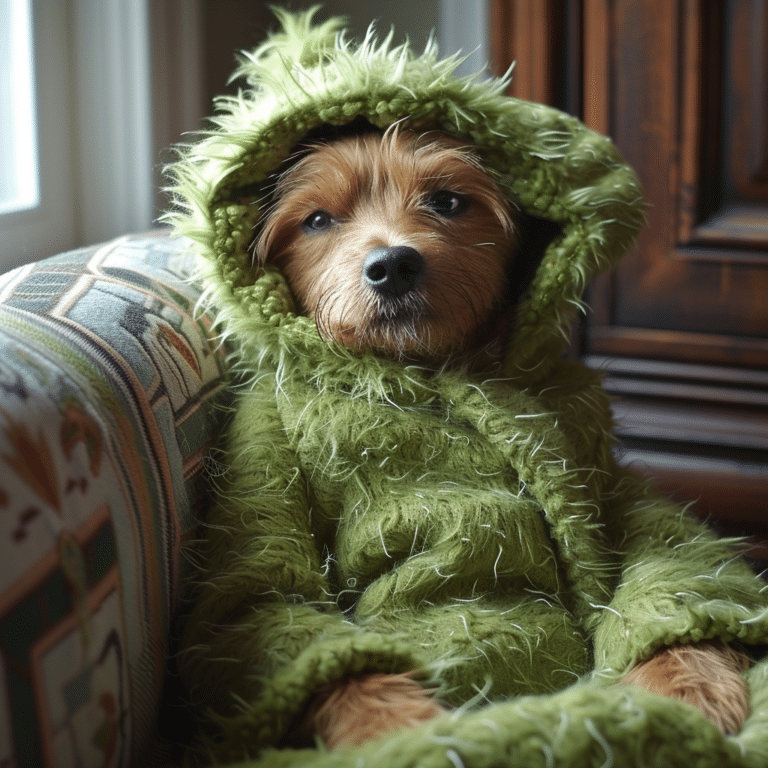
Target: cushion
{"x":110,"y":395}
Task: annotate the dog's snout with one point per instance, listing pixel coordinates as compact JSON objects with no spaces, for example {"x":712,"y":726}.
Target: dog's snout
{"x":393,"y":271}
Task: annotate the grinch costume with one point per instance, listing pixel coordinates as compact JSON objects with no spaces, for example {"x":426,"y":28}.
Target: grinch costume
{"x":374,"y":515}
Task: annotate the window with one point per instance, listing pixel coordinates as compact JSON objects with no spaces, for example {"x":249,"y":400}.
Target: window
{"x":19,"y":181}
{"x":76,"y":132}
{"x":37,"y":208}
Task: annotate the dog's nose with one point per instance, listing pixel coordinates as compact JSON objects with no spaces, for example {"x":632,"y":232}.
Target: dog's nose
{"x":393,"y":271}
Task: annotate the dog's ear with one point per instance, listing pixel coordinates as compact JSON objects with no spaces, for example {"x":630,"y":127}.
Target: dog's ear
{"x":276,"y":222}
{"x":264,"y":245}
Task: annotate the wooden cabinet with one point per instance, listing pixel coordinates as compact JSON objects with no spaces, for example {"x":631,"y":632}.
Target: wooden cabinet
{"x":681,"y":326}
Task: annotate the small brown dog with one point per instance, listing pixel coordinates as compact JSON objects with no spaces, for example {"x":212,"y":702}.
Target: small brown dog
{"x":397,"y":243}
{"x":401,"y":244}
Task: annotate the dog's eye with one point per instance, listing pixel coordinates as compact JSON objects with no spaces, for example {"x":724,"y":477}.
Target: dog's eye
{"x":318,"y":221}
{"x":447,"y":204}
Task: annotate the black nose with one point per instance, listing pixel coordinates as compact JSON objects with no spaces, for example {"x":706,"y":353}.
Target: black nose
{"x":393,"y":271}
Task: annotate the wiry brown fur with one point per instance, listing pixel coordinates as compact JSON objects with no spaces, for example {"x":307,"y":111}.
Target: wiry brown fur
{"x":706,"y":675}
{"x":363,"y":707}
{"x":374,"y":187}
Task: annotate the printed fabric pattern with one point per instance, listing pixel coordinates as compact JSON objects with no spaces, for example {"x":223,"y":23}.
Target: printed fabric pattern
{"x":109,"y":384}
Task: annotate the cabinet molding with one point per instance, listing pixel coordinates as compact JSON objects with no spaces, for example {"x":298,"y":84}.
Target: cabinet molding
{"x":680,"y":328}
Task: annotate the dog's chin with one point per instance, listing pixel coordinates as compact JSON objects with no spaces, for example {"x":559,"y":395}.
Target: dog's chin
{"x":402,"y":339}
{"x":401,"y":329}
{"x":405,"y":339}
{"x":412,"y":329}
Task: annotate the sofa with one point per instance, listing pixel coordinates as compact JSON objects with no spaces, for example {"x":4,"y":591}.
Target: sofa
{"x":112,"y":393}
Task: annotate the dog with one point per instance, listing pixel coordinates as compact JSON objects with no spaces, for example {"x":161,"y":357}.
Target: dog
{"x":400,"y":245}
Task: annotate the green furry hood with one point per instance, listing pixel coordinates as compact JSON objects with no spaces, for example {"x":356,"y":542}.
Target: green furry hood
{"x":549,"y":164}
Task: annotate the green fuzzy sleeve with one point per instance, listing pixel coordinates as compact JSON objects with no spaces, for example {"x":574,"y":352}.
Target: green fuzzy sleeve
{"x":679,"y":582}
{"x":265,"y":631}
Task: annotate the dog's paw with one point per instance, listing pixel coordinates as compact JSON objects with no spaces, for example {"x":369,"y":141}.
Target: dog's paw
{"x":361,"y":708}
{"x":706,"y":675}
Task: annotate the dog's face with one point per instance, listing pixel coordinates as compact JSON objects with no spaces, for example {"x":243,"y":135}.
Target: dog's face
{"x":397,"y":244}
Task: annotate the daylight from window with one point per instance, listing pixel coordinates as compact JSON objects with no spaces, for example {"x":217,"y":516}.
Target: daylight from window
{"x":19,"y":189}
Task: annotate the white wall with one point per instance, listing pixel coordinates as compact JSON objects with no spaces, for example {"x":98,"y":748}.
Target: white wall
{"x":459,"y":24}
{"x":415,"y":19}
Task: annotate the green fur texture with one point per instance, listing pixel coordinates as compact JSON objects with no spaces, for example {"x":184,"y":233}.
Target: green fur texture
{"x":376,"y":516}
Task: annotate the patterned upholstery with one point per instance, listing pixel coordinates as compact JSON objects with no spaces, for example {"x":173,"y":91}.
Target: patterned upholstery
{"x":109,"y":394}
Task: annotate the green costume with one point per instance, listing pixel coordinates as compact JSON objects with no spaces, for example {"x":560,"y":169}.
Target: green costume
{"x":377,"y":516}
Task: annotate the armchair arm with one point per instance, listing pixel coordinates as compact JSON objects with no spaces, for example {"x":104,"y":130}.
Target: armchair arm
{"x":109,"y":386}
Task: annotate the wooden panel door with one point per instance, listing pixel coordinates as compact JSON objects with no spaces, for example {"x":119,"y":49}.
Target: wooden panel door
{"x":681,"y":326}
